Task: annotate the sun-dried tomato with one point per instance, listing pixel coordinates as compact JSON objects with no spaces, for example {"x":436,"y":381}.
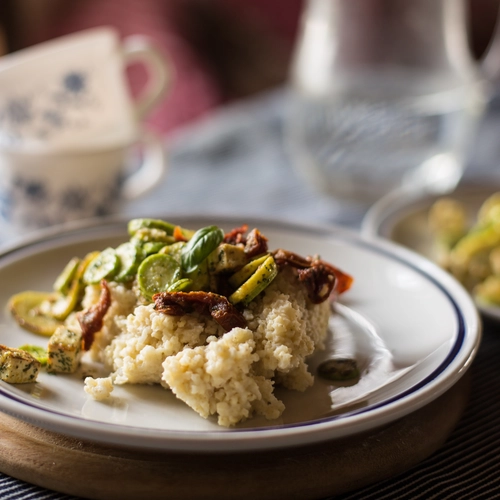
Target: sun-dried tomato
{"x":236,"y":235}
{"x":319,"y":277}
{"x":318,"y":280}
{"x":343,"y":281}
{"x":206,"y":303}
{"x":256,"y":243}
{"x":92,"y":318}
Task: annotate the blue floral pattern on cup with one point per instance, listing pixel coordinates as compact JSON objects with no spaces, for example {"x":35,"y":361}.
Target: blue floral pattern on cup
{"x":61,"y":105}
{"x":32,"y":203}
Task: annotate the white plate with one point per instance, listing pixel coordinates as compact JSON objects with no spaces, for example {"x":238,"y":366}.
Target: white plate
{"x":413,"y":330}
{"x":403,"y":218}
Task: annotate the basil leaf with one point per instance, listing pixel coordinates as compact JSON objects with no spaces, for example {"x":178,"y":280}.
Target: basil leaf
{"x":200,"y":246}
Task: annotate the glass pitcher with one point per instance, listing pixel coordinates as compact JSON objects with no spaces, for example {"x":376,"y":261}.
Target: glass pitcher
{"x":384,"y":95}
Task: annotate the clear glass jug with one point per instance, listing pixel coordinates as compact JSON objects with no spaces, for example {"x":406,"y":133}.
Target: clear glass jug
{"x":384,"y":95}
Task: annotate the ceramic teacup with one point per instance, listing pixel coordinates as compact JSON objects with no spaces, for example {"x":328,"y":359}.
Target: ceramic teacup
{"x":39,"y":190}
{"x":68,"y":128}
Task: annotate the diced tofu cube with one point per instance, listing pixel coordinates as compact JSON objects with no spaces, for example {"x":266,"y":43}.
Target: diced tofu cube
{"x":227,"y":257}
{"x":17,"y":366}
{"x":64,"y":351}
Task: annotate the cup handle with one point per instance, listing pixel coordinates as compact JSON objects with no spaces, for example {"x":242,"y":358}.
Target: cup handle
{"x":138,"y":49}
{"x":152,"y":169}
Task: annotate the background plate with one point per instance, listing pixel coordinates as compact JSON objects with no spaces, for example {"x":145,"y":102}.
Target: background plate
{"x":402,"y":218}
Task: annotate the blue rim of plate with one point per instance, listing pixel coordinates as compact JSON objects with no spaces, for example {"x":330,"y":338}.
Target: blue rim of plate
{"x":111,"y":226}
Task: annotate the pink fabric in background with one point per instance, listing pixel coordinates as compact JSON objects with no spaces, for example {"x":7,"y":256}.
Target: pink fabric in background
{"x":194,"y":91}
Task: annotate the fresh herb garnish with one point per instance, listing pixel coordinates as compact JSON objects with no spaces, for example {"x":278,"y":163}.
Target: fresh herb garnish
{"x":200,"y":246}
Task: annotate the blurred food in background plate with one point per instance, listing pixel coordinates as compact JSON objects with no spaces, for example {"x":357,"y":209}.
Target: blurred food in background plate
{"x":461,"y":232}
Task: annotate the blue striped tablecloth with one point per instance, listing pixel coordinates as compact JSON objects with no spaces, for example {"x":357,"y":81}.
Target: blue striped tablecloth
{"x":211,"y":165}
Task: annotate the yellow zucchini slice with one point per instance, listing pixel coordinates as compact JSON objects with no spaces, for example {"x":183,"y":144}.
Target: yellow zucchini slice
{"x":27,"y":311}
{"x":257,"y":282}
{"x":247,"y":270}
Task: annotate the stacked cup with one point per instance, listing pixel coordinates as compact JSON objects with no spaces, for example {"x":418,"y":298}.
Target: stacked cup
{"x":69,"y":127}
